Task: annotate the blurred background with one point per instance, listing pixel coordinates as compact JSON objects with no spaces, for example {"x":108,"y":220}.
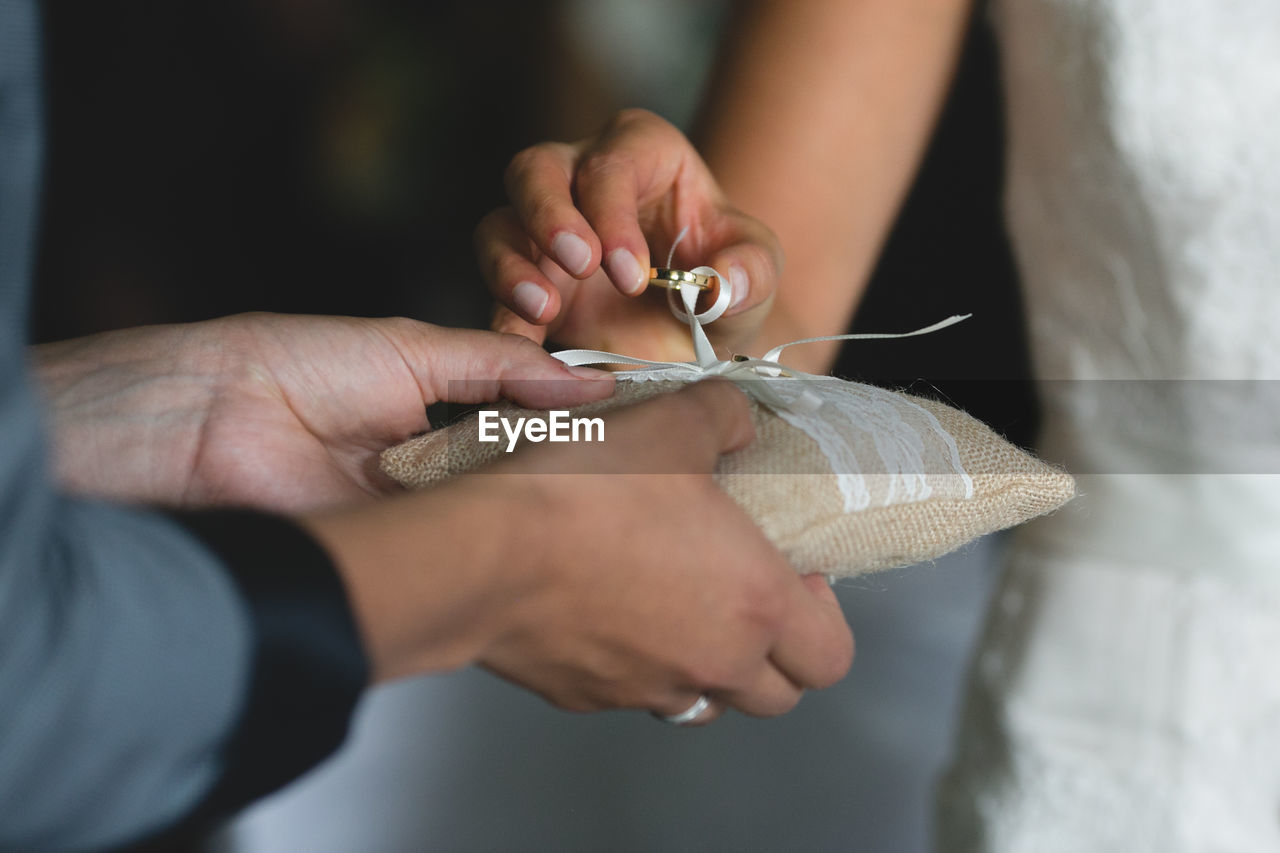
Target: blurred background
{"x":332,"y":156}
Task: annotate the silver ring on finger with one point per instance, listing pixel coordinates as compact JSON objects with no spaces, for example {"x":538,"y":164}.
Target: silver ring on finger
{"x":688,"y":715}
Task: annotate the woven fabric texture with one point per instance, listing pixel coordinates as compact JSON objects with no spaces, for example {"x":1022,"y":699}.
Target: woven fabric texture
{"x":785,"y":482}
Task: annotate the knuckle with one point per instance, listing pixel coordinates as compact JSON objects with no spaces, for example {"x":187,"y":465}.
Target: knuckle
{"x":718,"y":392}
{"x":600,"y":166}
{"x":639,"y":121}
{"x":508,"y":267}
{"x":706,"y":395}
{"x":404,"y":326}
{"x":666,"y":412}
{"x":716,"y":399}
{"x":543,"y":210}
{"x":629,"y":116}
{"x":681,"y":408}
{"x":523,"y":163}
{"x":761,"y":603}
{"x":754,"y":609}
{"x":718,"y":673}
{"x":520,"y":348}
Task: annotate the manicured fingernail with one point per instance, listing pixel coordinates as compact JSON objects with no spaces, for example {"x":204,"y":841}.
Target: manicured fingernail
{"x":741,"y":285}
{"x":625,"y":271}
{"x":530,"y":299}
{"x":589,"y":373}
{"x":572,"y":252}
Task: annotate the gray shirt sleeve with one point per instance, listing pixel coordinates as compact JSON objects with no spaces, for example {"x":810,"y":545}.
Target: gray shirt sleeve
{"x":144,"y":676}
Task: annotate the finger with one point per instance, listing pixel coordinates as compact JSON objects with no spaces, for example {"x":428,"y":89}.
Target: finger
{"x":821,"y":588}
{"x":509,"y":265}
{"x":683,"y":703}
{"x":641,"y":168}
{"x":606,"y":190}
{"x":752,"y":263}
{"x":469,"y":366}
{"x":539,"y":183}
{"x":724,"y":407}
{"x":509,"y":322}
{"x":814,"y":647}
{"x":701,"y":421}
{"x":769,"y":694}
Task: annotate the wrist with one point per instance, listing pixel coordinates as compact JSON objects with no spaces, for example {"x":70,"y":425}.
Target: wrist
{"x":433,"y":577}
{"x":125,"y":412}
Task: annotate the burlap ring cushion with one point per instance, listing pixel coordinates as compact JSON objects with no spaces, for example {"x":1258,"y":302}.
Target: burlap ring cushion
{"x":861,"y":480}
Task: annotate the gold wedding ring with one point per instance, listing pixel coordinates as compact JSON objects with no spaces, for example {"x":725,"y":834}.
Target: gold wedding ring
{"x":675,"y":279}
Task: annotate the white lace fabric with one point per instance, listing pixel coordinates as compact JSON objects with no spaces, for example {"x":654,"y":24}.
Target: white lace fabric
{"x":916,"y":458}
{"x":1127,"y":695}
{"x":1150,"y":726}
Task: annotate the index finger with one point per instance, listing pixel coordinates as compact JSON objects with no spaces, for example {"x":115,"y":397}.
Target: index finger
{"x":539,"y":183}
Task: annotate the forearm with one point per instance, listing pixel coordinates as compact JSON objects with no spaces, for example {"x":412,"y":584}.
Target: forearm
{"x":816,"y":120}
{"x":125,"y":421}
{"x":432,"y":575}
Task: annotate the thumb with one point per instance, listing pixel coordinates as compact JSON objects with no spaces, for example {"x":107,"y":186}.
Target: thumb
{"x":471,"y":366}
{"x":686,"y":431}
{"x":752,"y":263}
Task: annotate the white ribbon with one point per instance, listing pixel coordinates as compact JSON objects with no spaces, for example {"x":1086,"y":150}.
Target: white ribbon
{"x":750,"y":374}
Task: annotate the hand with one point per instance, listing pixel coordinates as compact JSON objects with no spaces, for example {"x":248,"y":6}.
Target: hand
{"x":580,"y":573}
{"x":572,"y":254}
{"x":277,"y":412}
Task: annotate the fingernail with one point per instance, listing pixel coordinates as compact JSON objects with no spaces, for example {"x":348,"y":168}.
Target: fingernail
{"x":572,"y":252}
{"x":530,"y":299}
{"x":625,"y":271}
{"x":741,"y":285}
{"x":589,"y":373}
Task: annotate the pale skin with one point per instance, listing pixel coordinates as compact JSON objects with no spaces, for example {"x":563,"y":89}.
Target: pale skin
{"x":817,"y":118}
{"x":501,"y":569}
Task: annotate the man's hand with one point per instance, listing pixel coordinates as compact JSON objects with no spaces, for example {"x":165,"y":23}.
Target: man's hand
{"x":599,"y":575}
{"x":276,"y":412}
{"x":639,"y":587}
{"x":587,"y":220}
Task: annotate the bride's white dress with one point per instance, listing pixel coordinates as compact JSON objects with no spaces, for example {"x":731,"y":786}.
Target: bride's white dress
{"x":1126,"y":696}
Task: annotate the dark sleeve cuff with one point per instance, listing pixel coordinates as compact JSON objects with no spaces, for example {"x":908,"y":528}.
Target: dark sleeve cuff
{"x":309,"y":667}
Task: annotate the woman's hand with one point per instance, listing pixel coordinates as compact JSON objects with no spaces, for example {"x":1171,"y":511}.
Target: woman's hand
{"x":277,"y":412}
{"x":570,"y":258}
